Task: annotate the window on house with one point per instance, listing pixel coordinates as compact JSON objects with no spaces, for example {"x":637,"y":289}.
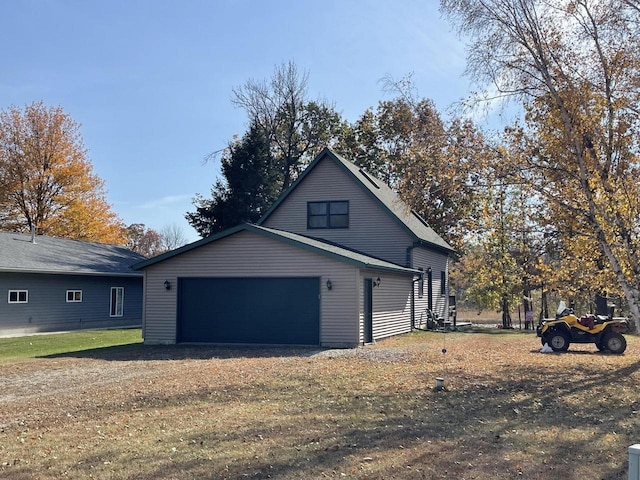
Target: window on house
{"x":421,"y":283}
{"x":443,"y":283}
{"x":117,"y":301}
{"x":18,"y":296}
{"x":328,"y":214}
{"x":74,"y":296}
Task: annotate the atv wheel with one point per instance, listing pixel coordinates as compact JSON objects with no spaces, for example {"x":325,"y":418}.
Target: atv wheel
{"x":615,"y":343}
{"x":558,"y":341}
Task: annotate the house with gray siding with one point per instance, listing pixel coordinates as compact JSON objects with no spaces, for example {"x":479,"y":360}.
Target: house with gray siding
{"x":338,"y":261}
{"x":53,"y":284}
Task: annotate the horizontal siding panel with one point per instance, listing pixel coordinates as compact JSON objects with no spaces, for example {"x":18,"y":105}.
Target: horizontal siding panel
{"x":160,"y":307}
{"x":247,"y":254}
{"x":425,"y":259}
{"x":371,"y":229}
{"x":392,"y":306}
{"x":47,"y":309}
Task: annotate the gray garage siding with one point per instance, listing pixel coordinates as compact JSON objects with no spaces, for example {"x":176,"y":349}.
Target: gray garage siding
{"x":391,"y":304}
{"x":247,"y":254}
{"x":371,"y":228}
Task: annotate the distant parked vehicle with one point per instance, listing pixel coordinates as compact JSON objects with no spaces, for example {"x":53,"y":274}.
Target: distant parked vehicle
{"x":603,"y":330}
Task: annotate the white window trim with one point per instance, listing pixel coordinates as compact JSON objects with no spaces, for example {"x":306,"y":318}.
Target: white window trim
{"x":73,"y":300}
{"x":18,"y":292}
{"x":113,"y":309}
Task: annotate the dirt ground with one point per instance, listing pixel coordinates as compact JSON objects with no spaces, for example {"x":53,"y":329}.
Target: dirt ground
{"x":202,"y":412}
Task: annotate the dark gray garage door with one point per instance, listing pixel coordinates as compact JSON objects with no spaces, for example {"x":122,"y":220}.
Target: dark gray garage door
{"x":249,"y":310}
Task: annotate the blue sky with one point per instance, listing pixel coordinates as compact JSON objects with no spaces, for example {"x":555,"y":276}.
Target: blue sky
{"x":151,"y":81}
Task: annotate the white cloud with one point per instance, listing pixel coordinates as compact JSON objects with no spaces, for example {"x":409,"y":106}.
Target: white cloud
{"x":166,"y":201}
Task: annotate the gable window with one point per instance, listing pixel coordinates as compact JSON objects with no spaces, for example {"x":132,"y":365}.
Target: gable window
{"x":18,"y":296}
{"x":74,"y":296}
{"x":117,"y":302}
{"x":328,"y":214}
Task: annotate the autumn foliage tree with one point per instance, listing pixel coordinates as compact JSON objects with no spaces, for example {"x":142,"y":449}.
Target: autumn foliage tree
{"x":46,"y":180}
{"x":149,"y":242}
{"x":499,"y":267}
{"x":575,"y":66}
{"x":434,"y":165}
{"x":143,"y":240}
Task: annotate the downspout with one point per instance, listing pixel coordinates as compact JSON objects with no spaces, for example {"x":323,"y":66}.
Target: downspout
{"x":413,"y":300}
{"x":430,"y":288}
{"x":409,"y":253}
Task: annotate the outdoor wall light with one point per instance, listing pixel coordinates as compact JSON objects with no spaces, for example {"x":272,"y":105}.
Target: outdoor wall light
{"x":329,"y":285}
{"x":167,"y":285}
{"x":376,"y":282}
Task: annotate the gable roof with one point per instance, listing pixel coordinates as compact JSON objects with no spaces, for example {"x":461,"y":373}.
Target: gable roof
{"x":64,"y":256}
{"x":388,"y":200}
{"x":314,"y":245}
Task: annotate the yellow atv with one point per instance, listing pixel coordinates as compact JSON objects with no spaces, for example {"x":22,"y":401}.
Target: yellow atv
{"x":605,"y":331}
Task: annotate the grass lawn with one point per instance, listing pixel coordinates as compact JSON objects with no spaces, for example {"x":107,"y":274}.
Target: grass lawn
{"x":129,"y":411}
{"x":22,"y":348}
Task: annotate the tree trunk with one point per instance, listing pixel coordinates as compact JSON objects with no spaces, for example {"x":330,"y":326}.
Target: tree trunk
{"x":506,"y":317}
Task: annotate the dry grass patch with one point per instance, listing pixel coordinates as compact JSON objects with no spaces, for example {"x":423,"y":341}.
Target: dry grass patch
{"x":214,"y":413}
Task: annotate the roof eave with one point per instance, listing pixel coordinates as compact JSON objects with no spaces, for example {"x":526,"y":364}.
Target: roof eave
{"x":328,"y":152}
{"x":186,"y":248}
{"x":285,"y":194}
{"x":62,"y":272}
{"x":386,"y":208}
{"x":328,"y":253}
{"x":270,"y":233}
{"x":435,"y":246}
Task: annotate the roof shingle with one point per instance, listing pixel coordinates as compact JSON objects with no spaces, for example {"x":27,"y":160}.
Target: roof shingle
{"x":318,"y":246}
{"x":64,"y":256}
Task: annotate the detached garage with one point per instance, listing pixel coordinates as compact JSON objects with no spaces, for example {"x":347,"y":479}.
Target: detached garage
{"x":258,"y":285}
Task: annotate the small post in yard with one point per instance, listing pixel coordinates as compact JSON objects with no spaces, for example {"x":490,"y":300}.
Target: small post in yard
{"x":440,"y":380}
{"x":634,"y":462}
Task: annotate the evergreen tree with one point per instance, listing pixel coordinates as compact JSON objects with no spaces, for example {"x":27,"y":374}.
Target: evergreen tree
{"x":249,"y":187}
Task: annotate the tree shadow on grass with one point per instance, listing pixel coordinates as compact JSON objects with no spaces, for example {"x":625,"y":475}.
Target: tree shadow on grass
{"x":364,"y":431}
{"x":141,"y":352}
{"x":479,"y":440}
{"x":594,"y":353}
{"x":496,"y":330}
